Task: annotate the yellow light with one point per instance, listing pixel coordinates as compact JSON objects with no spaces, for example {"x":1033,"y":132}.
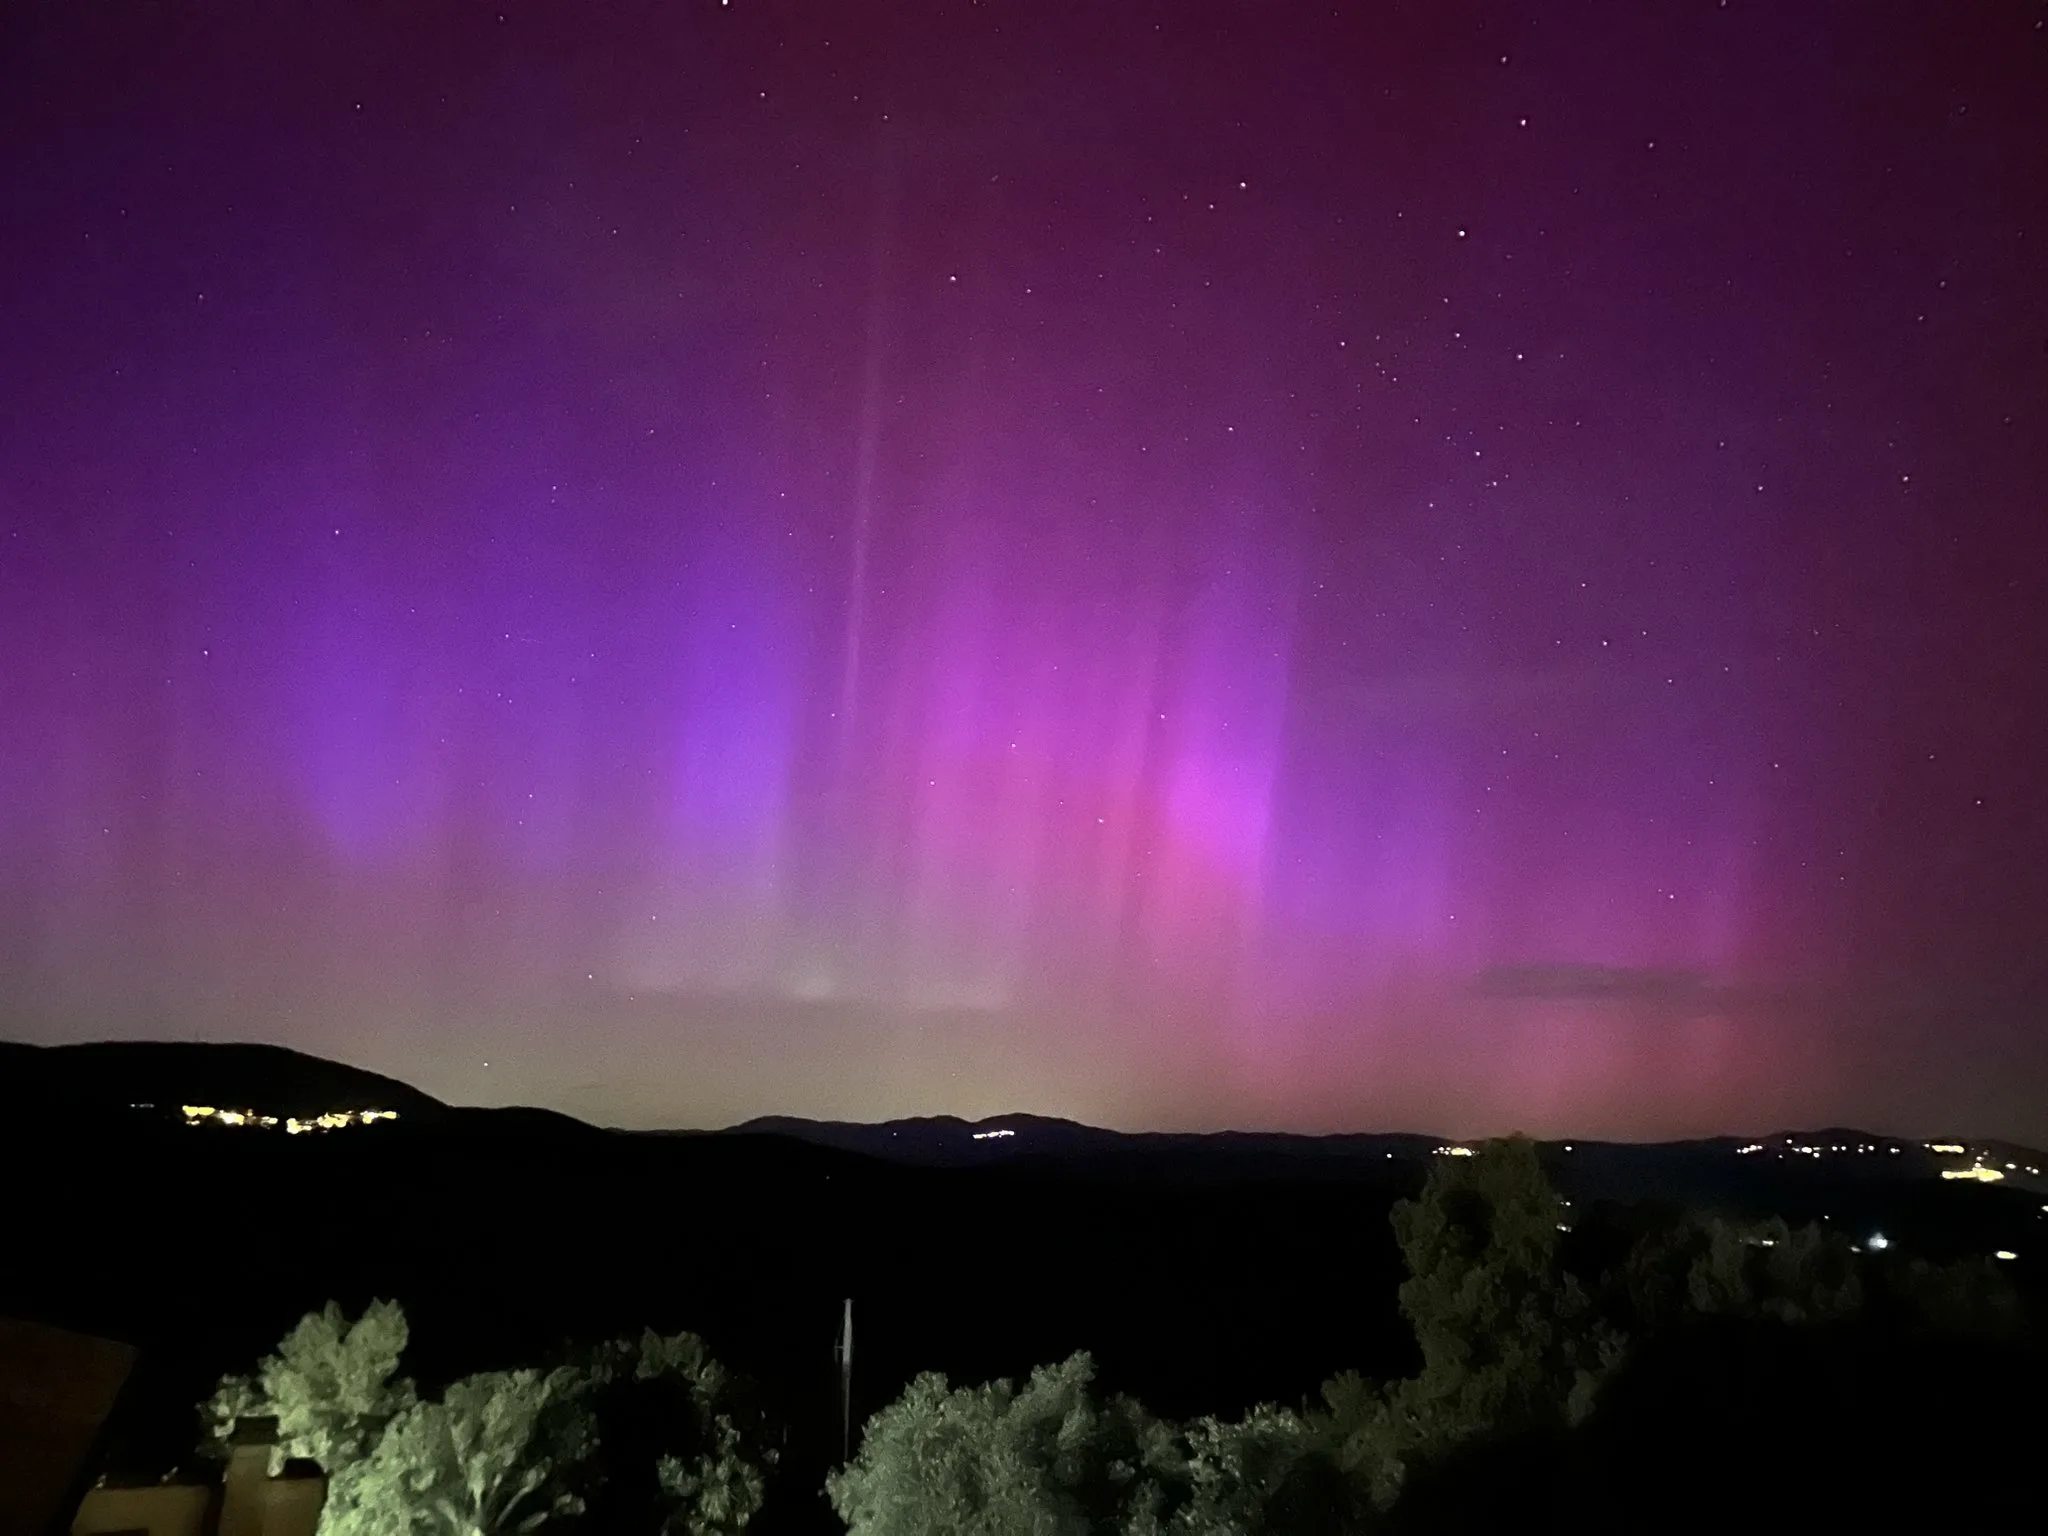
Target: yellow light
{"x":2005,"y":1253}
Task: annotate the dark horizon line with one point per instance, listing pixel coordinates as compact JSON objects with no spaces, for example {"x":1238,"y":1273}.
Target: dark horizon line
{"x":765,"y":1123}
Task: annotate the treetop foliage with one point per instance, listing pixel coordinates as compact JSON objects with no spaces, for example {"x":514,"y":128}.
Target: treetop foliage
{"x":332,"y":1386}
{"x":993,"y":1460}
{"x":629,"y":1437}
{"x":494,"y":1456}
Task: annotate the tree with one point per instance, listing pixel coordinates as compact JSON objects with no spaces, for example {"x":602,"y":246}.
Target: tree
{"x":1271,"y":1471}
{"x":1785,"y":1274}
{"x":1496,"y":1315}
{"x":494,"y":1457}
{"x":671,"y":1460}
{"x":1509,"y":1343}
{"x":331,"y":1387}
{"x":637,"y":1433}
{"x":1052,"y":1461}
{"x":995,"y":1461}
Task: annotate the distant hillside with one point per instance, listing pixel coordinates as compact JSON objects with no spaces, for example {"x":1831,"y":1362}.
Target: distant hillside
{"x":270,"y":1079}
{"x":110,"y":1078}
{"x":945,"y":1141}
{"x":1706,"y":1169}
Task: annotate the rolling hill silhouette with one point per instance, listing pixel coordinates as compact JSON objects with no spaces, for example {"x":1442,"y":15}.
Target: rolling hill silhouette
{"x":117,"y":1074}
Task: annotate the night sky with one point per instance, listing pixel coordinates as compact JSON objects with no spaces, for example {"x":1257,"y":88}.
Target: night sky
{"x":1426,"y":564}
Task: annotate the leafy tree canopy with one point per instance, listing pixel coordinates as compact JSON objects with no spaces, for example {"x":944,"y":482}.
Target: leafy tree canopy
{"x":493,"y":1457}
{"x":632,"y":1437}
{"x":332,"y":1387}
{"x":1509,"y":1340}
{"x":671,"y":1460}
{"x":1271,"y":1471}
{"x":995,"y":1461}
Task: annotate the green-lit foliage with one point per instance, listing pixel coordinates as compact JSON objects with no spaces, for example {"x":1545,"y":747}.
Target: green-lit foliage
{"x":1509,"y":1341}
{"x":995,"y":1461}
{"x":1506,"y":1334}
{"x":1053,"y":1461}
{"x":632,"y":1438}
{"x":1786,"y":1274}
{"x":493,"y":1457}
{"x":331,"y":1386}
{"x":670,"y":1460}
{"x":1273,"y":1471}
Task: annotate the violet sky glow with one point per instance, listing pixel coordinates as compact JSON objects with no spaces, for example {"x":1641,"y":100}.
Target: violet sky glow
{"x":1194,"y":564}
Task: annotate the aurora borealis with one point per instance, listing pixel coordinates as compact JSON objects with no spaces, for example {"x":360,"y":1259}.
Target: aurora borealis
{"x":1448,"y":567}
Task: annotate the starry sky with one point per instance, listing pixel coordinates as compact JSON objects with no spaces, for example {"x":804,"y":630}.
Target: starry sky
{"x":1451,"y":566}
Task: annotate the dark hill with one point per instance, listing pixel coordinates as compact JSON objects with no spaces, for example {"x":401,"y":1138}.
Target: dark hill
{"x":946,"y":1141}
{"x":270,"y":1079}
{"x":513,"y":1121}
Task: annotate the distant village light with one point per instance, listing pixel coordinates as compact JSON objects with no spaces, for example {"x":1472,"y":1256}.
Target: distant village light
{"x":1975,"y":1171}
{"x":333,"y":1120}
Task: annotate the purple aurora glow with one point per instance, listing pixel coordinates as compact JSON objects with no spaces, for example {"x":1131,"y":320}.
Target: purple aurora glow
{"x":726,"y":560}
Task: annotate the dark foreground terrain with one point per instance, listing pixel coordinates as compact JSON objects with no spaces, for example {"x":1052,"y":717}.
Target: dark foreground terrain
{"x":1205,"y":1274}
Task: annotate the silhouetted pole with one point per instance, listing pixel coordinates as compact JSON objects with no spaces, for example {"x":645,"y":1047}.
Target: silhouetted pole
{"x":843,"y":1352}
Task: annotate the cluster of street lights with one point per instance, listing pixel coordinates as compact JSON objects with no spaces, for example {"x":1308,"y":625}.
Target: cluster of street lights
{"x":333,"y":1120}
